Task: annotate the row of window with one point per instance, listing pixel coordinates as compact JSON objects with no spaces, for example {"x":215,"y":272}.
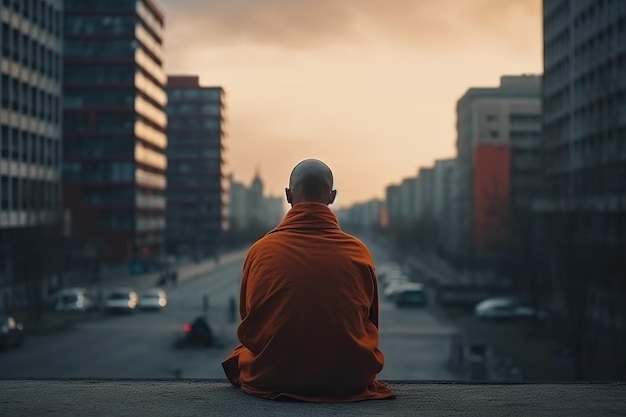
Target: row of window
{"x":22,"y":49}
{"x":206,"y":137}
{"x":211,"y":109}
{"x":40,"y":12}
{"x":191,"y":123}
{"x":99,"y":171}
{"x":23,"y":98}
{"x":197,"y":167}
{"x":27,"y":194}
{"x":100,"y":25}
{"x":193,"y":153}
{"x":214,"y":94}
{"x":20,"y":146}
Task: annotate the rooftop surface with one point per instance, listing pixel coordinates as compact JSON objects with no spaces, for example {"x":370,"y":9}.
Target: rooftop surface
{"x":172,"y":398}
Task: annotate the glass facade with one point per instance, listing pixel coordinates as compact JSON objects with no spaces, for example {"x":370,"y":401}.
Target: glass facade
{"x":196,"y":212}
{"x":30,"y":111}
{"x":114,"y":131}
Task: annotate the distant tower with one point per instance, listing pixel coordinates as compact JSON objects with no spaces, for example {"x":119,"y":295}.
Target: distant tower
{"x":255,"y":201}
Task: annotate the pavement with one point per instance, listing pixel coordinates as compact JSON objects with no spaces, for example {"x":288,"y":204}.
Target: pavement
{"x":512,"y":353}
{"x":174,"y":398}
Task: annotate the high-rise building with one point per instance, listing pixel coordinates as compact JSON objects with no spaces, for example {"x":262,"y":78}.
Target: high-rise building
{"x":197,"y":193}
{"x":30,"y":123}
{"x":584,"y":124}
{"x":114,"y":127}
{"x":498,"y":160}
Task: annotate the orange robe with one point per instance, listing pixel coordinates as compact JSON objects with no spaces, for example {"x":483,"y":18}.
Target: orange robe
{"x":309,"y":314}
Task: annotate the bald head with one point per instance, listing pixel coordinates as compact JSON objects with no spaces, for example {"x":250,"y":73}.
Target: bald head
{"x":311,"y":181}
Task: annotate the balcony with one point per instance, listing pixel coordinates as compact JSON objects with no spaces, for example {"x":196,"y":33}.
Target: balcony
{"x":139,"y":398}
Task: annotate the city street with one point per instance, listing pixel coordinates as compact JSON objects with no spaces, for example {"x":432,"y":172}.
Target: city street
{"x":415,"y":344}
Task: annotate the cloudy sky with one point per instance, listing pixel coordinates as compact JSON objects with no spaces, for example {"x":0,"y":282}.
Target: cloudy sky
{"x":368,"y":86}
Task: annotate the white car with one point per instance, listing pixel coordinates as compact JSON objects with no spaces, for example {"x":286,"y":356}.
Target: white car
{"x":121,"y":300}
{"x":153,"y":299}
{"x":507,"y":308}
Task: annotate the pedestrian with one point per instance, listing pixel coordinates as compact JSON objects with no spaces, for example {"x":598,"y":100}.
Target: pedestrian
{"x":308,"y":305}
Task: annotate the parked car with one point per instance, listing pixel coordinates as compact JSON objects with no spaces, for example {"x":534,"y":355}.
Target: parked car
{"x":11,"y":332}
{"x":153,"y":299}
{"x":394,"y":287}
{"x":73,"y":300}
{"x":508,"y":308}
{"x":121,"y":300}
{"x":410,"y":296}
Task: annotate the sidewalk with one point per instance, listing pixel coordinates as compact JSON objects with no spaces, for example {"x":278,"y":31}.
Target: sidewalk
{"x":150,"y":280}
{"x":535,"y":357}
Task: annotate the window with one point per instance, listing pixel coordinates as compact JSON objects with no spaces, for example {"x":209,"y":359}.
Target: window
{"x":494,"y":134}
{"x":211,"y":94}
{"x":4,"y":192}
{"x":75,"y":122}
{"x":211,"y":109}
{"x":211,"y":123}
{"x":524,"y":118}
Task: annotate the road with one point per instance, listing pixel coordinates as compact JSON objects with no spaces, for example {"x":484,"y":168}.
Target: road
{"x":414,"y":342}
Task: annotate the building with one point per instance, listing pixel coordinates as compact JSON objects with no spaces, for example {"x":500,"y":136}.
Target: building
{"x":251,"y":209}
{"x":30,"y":136}
{"x":582,"y":212}
{"x":584,"y":121}
{"x":30,"y":132}
{"x":114,"y":127}
{"x":498,"y":160}
{"x":362,"y":217}
{"x":197,"y":191}
{"x":443,"y":201}
{"x":408,"y":201}
{"x":393,"y":205}
{"x":425,"y":194}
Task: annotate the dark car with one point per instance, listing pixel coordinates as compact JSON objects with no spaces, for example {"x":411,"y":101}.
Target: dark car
{"x":410,"y":297}
{"x":11,"y":332}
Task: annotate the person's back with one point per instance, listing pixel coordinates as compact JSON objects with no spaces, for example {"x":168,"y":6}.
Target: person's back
{"x":309,"y":308}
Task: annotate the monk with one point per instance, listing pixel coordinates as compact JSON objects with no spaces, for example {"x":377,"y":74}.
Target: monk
{"x":308,"y":305}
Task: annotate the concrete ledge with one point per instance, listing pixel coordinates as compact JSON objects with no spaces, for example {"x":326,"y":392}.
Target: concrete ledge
{"x":151,"y":398}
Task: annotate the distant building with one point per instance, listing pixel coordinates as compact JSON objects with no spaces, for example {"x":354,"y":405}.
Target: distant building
{"x":498,"y":160}
{"x":443,"y":201}
{"x":251,"y":209}
{"x":30,"y":124}
{"x":425,"y":193}
{"x":408,"y":200}
{"x":361,"y":216}
{"x":114,"y":127}
{"x":393,"y":203}
{"x":197,"y":192}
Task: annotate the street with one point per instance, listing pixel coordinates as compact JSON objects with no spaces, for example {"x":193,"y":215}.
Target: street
{"x":414,"y":342}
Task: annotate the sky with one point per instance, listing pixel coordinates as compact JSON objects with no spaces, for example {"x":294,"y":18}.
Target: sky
{"x":368,"y":86}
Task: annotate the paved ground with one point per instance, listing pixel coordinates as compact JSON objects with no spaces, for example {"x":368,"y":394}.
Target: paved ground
{"x":217,"y":398}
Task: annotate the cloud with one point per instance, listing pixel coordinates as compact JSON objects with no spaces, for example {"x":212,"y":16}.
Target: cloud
{"x":312,"y":23}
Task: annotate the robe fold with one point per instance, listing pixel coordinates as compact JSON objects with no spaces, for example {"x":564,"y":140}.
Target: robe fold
{"x":309,"y":314}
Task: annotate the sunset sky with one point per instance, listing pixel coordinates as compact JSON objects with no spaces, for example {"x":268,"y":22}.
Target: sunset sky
{"x":368,"y":86}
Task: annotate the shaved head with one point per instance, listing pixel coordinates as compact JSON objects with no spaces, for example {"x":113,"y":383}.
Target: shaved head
{"x":311,"y":181}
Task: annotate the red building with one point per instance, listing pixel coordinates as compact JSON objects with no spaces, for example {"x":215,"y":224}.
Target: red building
{"x":197,"y":192}
{"x":491,"y":195}
{"x":114,"y":128}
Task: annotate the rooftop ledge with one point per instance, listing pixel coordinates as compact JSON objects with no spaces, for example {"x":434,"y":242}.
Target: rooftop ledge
{"x":149,"y":398}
